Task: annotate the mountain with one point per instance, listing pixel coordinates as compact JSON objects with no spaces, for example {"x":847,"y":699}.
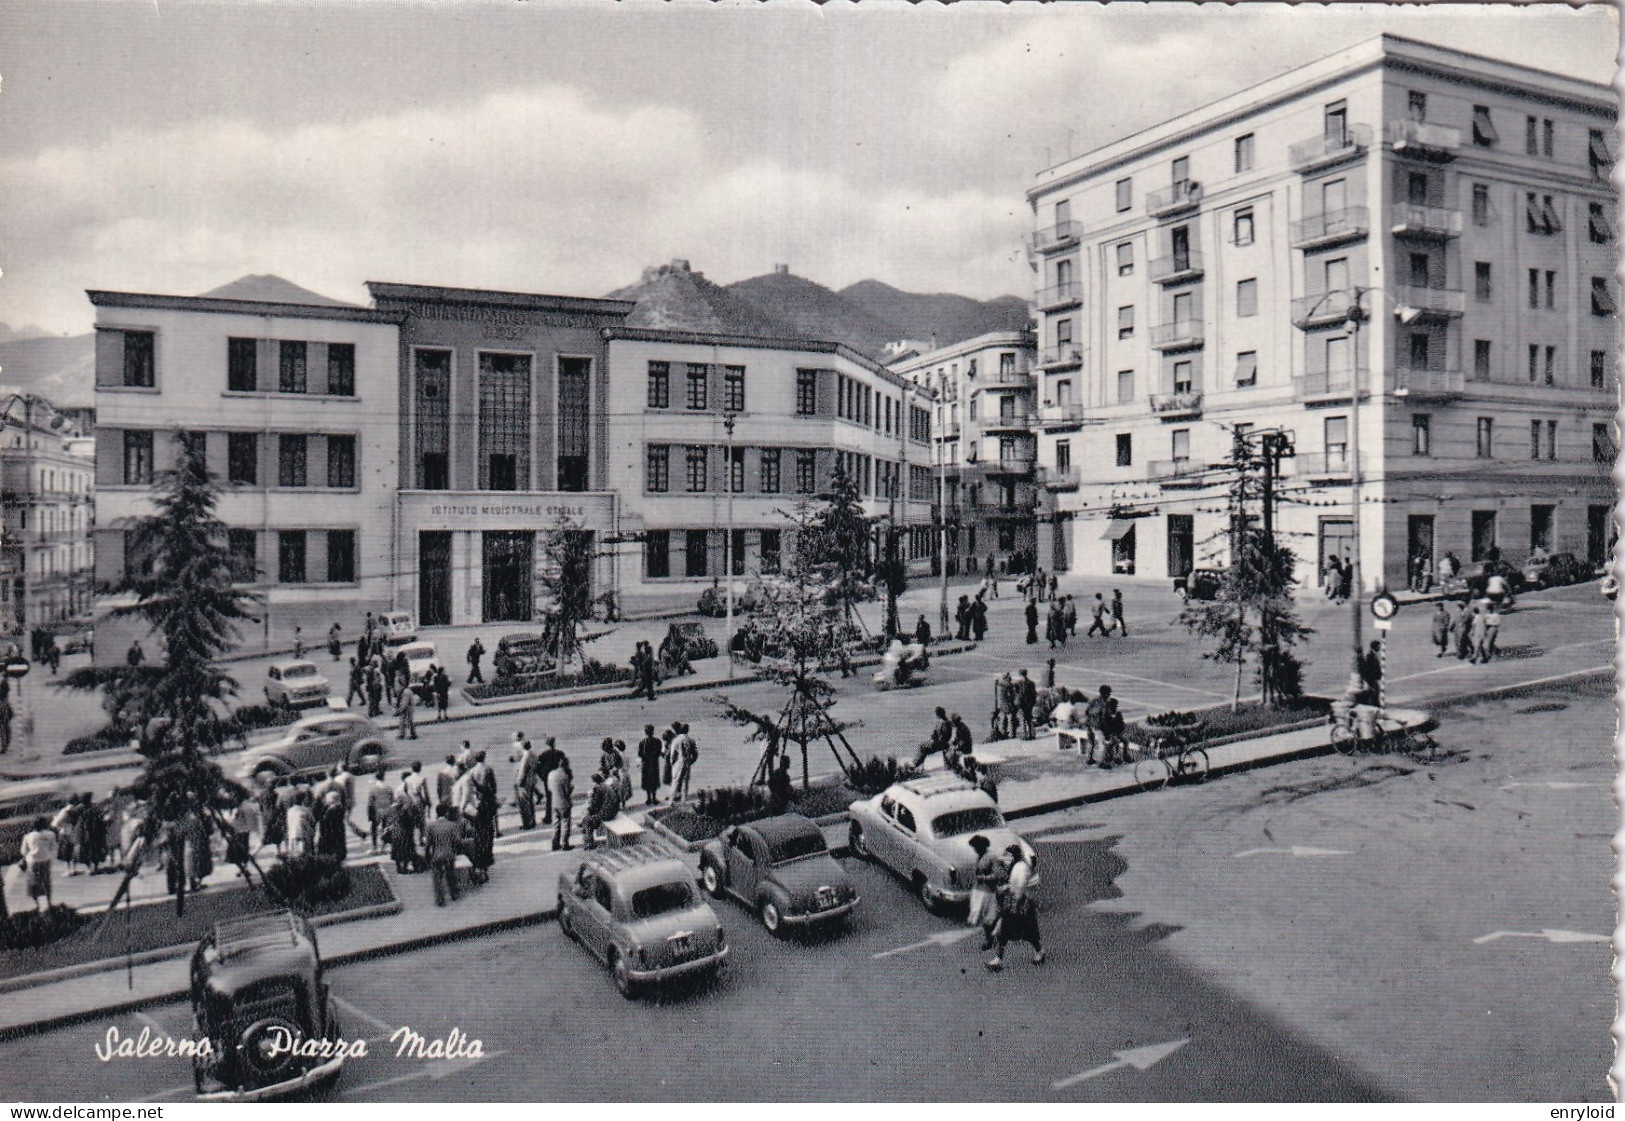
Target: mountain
{"x":941,"y":316}
{"x":814,"y":312}
{"x":675,"y":297}
{"x":8,"y":332}
{"x":271,"y":289}
{"x":61,"y":368}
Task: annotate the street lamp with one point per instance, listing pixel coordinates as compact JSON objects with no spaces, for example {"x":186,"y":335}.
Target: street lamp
{"x":728,"y":546}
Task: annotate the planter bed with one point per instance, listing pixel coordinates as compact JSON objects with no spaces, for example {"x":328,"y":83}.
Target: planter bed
{"x":1220,"y":725}
{"x":153,"y":926}
{"x":531,"y":683}
{"x":688,"y":825}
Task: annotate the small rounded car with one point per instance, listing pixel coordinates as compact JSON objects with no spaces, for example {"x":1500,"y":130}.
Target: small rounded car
{"x":921,"y":829}
{"x":315,"y":745}
{"x":398,"y":624}
{"x":262,"y":1006}
{"x":638,"y":910}
{"x":296,"y":684}
{"x":520,"y":654}
{"x":1555,"y":571}
{"x":781,"y":867}
{"x":1201,"y":584}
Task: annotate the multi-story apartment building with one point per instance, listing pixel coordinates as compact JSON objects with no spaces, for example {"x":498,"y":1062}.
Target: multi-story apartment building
{"x":983,"y":445}
{"x":46,"y":513}
{"x":1197,"y":278}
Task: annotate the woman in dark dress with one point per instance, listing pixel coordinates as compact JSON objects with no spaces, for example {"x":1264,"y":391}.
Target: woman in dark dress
{"x":93,"y":834}
{"x":403,"y":827}
{"x":330,"y":839}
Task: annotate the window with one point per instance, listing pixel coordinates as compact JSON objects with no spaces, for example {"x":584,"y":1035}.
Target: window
{"x":1551,"y":365}
{"x":771,"y":550}
{"x":1599,"y":368}
{"x":1602,"y":160}
{"x":1063,"y":332}
{"x":975,"y":405}
{"x":1246,"y":369}
{"x":1481,"y":204}
{"x":1063,"y":212}
{"x":698,"y":385}
{"x":1179,"y":445}
{"x":1534,"y":288}
{"x":659,"y":385}
{"x":1242,"y":227}
{"x":1063,"y":392}
{"x":1531,"y":136}
{"x":1337,"y":274}
{"x":290,"y":556}
{"x":505,"y":421}
{"x":1421,"y":434}
{"x":291,"y":372}
{"x":1125,"y":258}
{"x":736,"y":470}
{"x":696,"y":549}
{"x":1482,"y":288}
{"x":1125,"y":322}
{"x":1534,"y":362}
{"x":1125,"y":449}
{"x":1548,"y":144}
{"x":1416,"y":188}
{"x":1416,"y":105}
{"x":1244,"y":153}
{"x":1534,"y":219}
{"x":341,"y":556}
{"x":1549,"y":215}
{"x":1601,"y":228}
{"x":806,"y":392}
{"x":657,"y":554}
{"x":806,"y":470}
{"x":1486,"y":437}
{"x":1481,"y":359}
{"x":341,"y":370}
{"x":1336,"y":429}
{"x":1181,"y":168}
{"x":1182,"y":307}
{"x":1421,"y":269}
{"x":1420,"y":343}
{"x":1602,"y":448}
{"x":1551,"y":289}
{"x":1484,"y":134}
{"x":1602,"y":300}
{"x":1246,"y":298}
{"x":699,"y":469}
{"x":657,"y":469}
{"x":137,"y":458}
{"x":243,"y":545}
{"x":341,"y":462}
{"x":733,"y":389}
{"x":242,"y":458}
{"x":1534,"y":439}
{"x":242,"y":365}
{"x":1182,"y":377}
{"x":1337,"y":123}
{"x":1125,"y":195}
{"x":291,"y":460}
{"x":1551,"y":439}
{"x":432,"y":370}
{"x":1125,"y":386}
{"x":770,"y":465}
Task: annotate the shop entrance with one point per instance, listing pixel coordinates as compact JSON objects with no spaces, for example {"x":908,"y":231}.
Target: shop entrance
{"x":1181,"y":544}
{"x":434,"y":579}
{"x":1418,"y":548}
{"x":1336,"y":539}
{"x":508,"y":578}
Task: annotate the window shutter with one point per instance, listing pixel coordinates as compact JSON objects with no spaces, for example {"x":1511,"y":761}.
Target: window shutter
{"x":1533,"y":216}
{"x":1553,"y":223}
{"x":316,"y":463}
{"x":316,"y":552}
{"x":110,"y":461}
{"x":109,"y":357}
{"x":109,"y":550}
{"x":316,"y":371}
{"x":163,"y":450}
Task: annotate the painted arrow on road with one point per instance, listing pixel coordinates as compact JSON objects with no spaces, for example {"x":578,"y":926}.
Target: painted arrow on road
{"x":1295,"y":850}
{"x":1140,"y":1058}
{"x":1557,"y":785}
{"x":944,"y":938}
{"x":1549,"y":935}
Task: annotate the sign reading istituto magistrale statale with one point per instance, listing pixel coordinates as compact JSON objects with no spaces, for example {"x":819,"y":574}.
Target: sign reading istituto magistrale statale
{"x":510,"y":510}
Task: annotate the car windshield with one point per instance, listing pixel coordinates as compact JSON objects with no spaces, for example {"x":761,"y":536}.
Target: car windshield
{"x":794,"y":848}
{"x":299,"y":671}
{"x":419,"y":653}
{"x":966,"y":821}
{"x":657,"y":900}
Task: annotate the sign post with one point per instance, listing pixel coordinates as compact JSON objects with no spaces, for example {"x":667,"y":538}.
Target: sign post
{"x":1383,"y":608}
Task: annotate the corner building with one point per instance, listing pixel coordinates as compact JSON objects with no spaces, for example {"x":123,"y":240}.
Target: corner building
{"x":1196,"y":279}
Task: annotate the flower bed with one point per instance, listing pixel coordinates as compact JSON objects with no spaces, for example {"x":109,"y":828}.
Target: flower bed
{"x":737,"y":805}
{"x":1219,"y":722}
{"x":593,"y":673}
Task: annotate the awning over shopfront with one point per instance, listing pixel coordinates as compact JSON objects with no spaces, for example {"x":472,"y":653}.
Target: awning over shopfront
{"x":1117,"y":529}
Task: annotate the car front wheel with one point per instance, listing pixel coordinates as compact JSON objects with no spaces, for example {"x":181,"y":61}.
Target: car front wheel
{"x":855,"y":841}
{"x":712,"y":879}
{"x":564,"y":921}
{"x":772,"y":917}
{"x":623,"y":975}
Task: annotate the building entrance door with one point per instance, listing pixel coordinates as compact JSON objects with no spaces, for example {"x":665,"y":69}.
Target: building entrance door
{"x":1418,"y":548}
{"x":1181,"y":544}
{"x":434,"y":579}
{"x":508,"y":579}
{"x":1336,"y":539}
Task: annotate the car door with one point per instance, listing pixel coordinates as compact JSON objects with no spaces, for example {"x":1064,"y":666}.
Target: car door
{"x":886,"y":842}
{"x":595,"y":908}
{"x":909,"y":855}
{"x":744,"y":850}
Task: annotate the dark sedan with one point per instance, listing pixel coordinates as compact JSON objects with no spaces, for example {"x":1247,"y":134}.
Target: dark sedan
{"x":781,"y":867}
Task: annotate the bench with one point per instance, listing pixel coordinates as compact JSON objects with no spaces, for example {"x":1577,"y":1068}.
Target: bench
{"x":621,"y":831}
{"x":1079,"y":738}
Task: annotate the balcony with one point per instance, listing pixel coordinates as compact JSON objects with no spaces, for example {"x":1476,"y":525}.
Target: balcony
{"x":1176,"y":406}
{"x":1427,"y":385}
{"x":1329,"y":386}
{"x":1059,"y":478}
{"x":1322,"y":308}
{"x":1056,"y":416}
{"x":1438,"y":222}
{"x":1180,"y":197}
{"x":1010,"y":422}
{"x":1021,"y":378}
{"x":1331,"y":228}
{"x":1061,"y":357}
{"x":1429,"y":142}
{"x":1322,"y":466}
{"x":1175,"y":471}
{"x":1018,"y":463}
{"x":1350,"y":142}
{"x":1179,"y":335}
{"x":1176,"y":269}
{"x":1059,"y":296}
{"x":1062,"y":235}
{"x":1430,"y":303}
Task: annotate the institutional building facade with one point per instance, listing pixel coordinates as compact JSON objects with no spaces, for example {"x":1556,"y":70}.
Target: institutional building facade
{"x":47,"y":508}
{"x":1196,"y":279}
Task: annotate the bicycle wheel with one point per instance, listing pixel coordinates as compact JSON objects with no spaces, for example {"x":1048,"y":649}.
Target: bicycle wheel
{"x":1193,"y":765}
{"x":1151,"y":772}
{"x":1344,"y":741}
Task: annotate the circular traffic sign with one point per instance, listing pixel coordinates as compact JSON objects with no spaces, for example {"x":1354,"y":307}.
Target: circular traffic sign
{"x":1384,"y":606}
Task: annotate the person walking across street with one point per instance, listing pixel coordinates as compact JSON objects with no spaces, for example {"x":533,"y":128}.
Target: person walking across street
{"x":1018,"y":913}
{"x":984,"y":897}
{"x":375,"y":690}
{"x":38,"y":855}
{"x":405,"y":704}
{"x":1004,"y":707}
{"x":1117,"y":613}
{"x":651,"y":752}
{"x":1441,"y":628}
{"x":688,"y":753}
{"x":357,"y":685}
{"x":1032,"y":621}
{"x":1098,"y":626}
{"x":524,"y":782}
{"x":1026,"y":700}
{"x":1492,"y":631}
{"x":1069,"y":616}
{"x":560,"y":789}
{"x":550,"y":759}
{"x":476,"y":651}
{"x":1461,"y":627}
{"x":445,"y":842}
{"x":1478,"y":634}
{"x":335,"y":644}
{"x":441,"y":684}
{"x":380,"y":803}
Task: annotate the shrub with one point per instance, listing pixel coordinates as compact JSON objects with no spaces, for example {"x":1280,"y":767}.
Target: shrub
{"x":27,"y":929}
{"x":733,"y":805}
{"x":592,"y":672}
{"x":100,"y":740}
{"x":309,"y":879}
{"x":252,"y":717}
{"x":875,"y":774}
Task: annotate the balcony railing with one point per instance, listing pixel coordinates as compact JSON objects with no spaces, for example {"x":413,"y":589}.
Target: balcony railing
{"x":1178,"y":334}
{"x":1058,"y":295}
{"x":1018,"y":376}
{"x":1425,"y":221}
{"x":1060,"y":357}
{"x":1058,"y":236}
{"x":1173,"y":469}
{"x":1069,"y":413}
{"x":1418,"y":382}
{"x":1020,"y":421}
{"x":1059,"y":478}
{"x":1331,"y":385}
{"x":1418,"y":138}
{"x":1018,"y":464}
{"x":1347,"y":224}
{"x":1323,"y":465}
{"x":1184,"y":195}
{"x":1171,"y":405}
{"x":1323,"y":307}
{"x":1319,"y":151}
{"x":1434,"y":302}
{"x":1177,"y":268}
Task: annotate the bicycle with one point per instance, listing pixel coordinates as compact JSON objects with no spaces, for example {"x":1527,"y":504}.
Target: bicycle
{"x":1154,"y":769}
{"x":1391,"y":736}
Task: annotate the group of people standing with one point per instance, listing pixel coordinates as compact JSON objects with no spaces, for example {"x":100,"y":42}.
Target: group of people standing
{"x":666,"y":759}
{"x":1471,"y":631}
{"x":970,"y":619}
{"x":1099,"y":718}
{"x":1061,"y":620}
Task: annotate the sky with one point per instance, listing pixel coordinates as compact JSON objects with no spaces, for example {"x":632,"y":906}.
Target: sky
{"x":558,"y":146}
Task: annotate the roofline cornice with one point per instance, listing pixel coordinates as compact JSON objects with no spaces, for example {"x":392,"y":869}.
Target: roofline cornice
{"x":534,"y":301}
{"x":217,"y":306}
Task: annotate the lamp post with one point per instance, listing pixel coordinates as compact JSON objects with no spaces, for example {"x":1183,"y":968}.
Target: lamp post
{"x":728,"y":545}
{"x":942,"y":531}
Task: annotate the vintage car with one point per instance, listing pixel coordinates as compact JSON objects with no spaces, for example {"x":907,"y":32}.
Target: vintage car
{"x":713,"y":602}
{"x":1202,"y":584}
{"x":419,"y":657}
{"x":522,"y":653}
{"x":22,"y":803}
{"x":1555,"y":571}
{"x":398,"y":624}
{"x":638,"y":910}
{"x":782,"y":868}
{"x":296,"y":684}
{"x":691,"y":639}
{"x":261,"y":1002}
{"x":921,"y":829}
{"x":315,"y":745}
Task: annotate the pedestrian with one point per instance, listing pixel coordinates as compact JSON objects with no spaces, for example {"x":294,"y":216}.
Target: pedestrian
{"x":135,"y":655}
{"x":405,"y":703}
{"x":1018,"y":912}
{"x":476,"y":651}
{"x":560,"y":789}
{"x":1004,"y":707}
{"x":402,"y":826}
{"x":1069,"y":616}
{"x":524,"y":781}
{"x":1032,"y":622}
{"x":962,"y":619}
{"x":445,"y":842}
{"x":441,"y":684}
{"x":1441,"y":628}
{"x":357,"y":687}
{"x":53,"y":654}
{"x":1478,"y":634}
{"x":375,"y":690}
{"x":483,"y":799}
{"x":1054,"y":585}
{"x":1345,"y":581}
{"x":416,"y":785}
{"x":647,"y":671}
{"x":780,"y":787}
{"x":380,"y":803}
{"x":445,"y":780}
{"x":598,"y":803}
{"x":549,"y":759}
{"x":984,"y":897}
{"x":1449,"y":567}
{"x":243,"y":823}
{"x":1461,"y":631}
{"x":363,"y":648}
{"x":650,"y":754}
{"x":39,"y":848}
{"x":922,"y":632}
{"x":978,"y":618}
{"x":1371,"y":673}
{"x":1026,"y":699}
{"x":623,"y":773}
{"x":1053,"y":625}
{"x":992,"y":576}
{"x":335,"y":646}
{"x":65,"y":825}
{"x":1094,"y":719}
{"x":688,"y":754}
{"x":1049,"y":674}
{"x":1496,"y":590}
{"x":941,"y":739}
{"x":1117,"y":613}
{"x":330,"y":827}
{"x":1098,"y":626}
{"x":1492,"y":631}
{"x":298,"y":642}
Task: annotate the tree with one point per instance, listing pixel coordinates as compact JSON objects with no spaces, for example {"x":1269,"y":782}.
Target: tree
{"x":832,"y":541}
{"x":566,"y":575}
{"x":183,"y":584}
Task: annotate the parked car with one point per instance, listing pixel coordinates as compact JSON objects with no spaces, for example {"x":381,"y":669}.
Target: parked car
{"x":921,"y":829}
{"x":21,"y":804}
{"x":1202,"y":583}
{"x":781,"y":867}
{"x":419,"y":657}
{"x":695,"y":643}
{"x":1555,"y":571}
{"x":314,"y":745}
{"x":713,"y":602}
{"x":296,"y":684}
{"x":398,"y":624}
{"x":257,"y":986}
{"x":638,"y":910}
{"x":1476,"y":576}
{"x":522,"y":653}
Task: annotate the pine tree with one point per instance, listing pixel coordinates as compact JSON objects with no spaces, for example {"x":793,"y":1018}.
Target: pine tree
{"x":566,"y":575}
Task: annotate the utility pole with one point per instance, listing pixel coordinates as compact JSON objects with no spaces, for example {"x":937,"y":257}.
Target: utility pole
{"x":728,"y":547}
{"x":1356,"y":316}
{"x":942,"y":530}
